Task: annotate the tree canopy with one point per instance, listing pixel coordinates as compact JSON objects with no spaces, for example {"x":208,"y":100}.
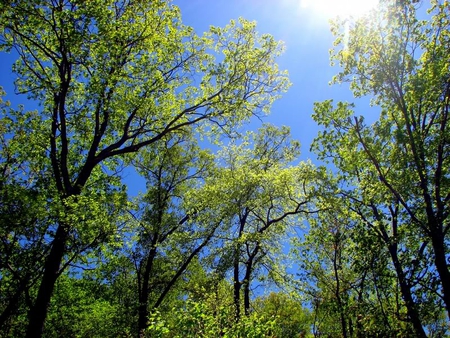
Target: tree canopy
{"x":393,"y":173}
{"x":354,"y":245}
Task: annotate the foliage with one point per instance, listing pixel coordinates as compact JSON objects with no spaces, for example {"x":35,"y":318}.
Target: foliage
{"x":393,"y":174}
{"x":197,"y":320}
{"x":125,"y":85}
{"x":110,"y":78}
{"x":82,"y":308}
{"x":290,"y":318}
{"x":259,"y":199}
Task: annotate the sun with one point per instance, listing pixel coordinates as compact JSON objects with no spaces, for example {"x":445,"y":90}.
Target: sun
{"x":341,"y":8}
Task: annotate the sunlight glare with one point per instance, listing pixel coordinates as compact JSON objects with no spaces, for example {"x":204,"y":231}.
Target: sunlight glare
{"x":341,"y":8}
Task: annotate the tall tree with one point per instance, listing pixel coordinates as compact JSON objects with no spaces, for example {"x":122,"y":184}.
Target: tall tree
{"x":113,"y":77}
{"x":290,"y":318}
{"x":22,"y":217}
{"x":395,"y":171}
{"x":170,"y":170}
{"x":261,"y":194}
{"x":349,"y":276}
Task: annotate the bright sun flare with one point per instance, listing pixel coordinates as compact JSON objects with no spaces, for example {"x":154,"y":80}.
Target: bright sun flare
{"x":342,"y":8}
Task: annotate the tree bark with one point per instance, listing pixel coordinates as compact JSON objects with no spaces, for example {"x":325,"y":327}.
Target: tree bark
{"x":247,"y":277}
{"x":437,"y":239}
{"x":13,"y":303}
{"x":406,"y":294}
{"x":247,"y":289}
{"x":52,"y":266}
{"x":236,"y":281}
{"x":143,"y":296}
{"x":236,"y":287}
{"x":337,"y":291}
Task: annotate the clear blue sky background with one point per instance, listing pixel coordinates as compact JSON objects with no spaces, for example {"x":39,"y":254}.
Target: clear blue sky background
{"x":307,"y":37}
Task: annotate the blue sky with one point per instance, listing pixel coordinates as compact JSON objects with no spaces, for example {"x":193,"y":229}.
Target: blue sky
{"x":307,"y":38}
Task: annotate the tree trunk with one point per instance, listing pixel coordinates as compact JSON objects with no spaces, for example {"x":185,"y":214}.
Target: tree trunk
{"x":248,"y":274}
{"x":236,"y":287}
{"x":437,"y":239}
{"x":337,"y":291}
{"x":236,"y":282}
{"x":52,"y":266}
{"x":247,"y":292}
{"x":406,"y":294}
{"x":143,"y":296}
{"x":13,"y":304}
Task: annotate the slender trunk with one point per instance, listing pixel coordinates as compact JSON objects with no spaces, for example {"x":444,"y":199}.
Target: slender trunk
{"x":182,"y":269}
{"x":52,"y":265}
{"x":405,"y":288}
{"x":437,"y":239}
{"x":247,"y":289}
{"x":26,"y":282}
{"x":380,"y":303}
{"x":247,"y":298}
{"x":350,"y":327}
{"x":143,"y":297}
{"x":236,"y":287}
{"x":248,"y":273}
{"x":315,"y":329}
{"x":338,"y":287}
{"x":236,"y":282}
{"x":13,"y":303}
{"x":406,"y":294}
{"x":359,"y":326}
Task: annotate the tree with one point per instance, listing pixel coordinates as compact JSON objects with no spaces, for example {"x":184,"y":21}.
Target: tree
{"x":290,"y":319}
{"x":262,"y":196}
{"x":83,"y":307}
{"x":348,"y":276}
{"x":112,"y":78}
{"x":395,"y":171}
{"x":22,"y":216}
{"x":171,"y":169}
